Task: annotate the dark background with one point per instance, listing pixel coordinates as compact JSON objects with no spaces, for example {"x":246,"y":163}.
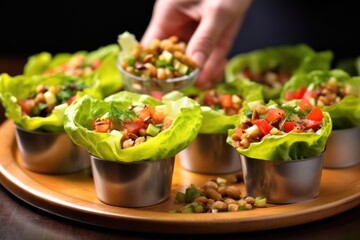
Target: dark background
{"x":28,"y":27}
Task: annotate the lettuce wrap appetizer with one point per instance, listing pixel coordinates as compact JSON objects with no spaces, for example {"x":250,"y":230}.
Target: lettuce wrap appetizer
{"x":221,"y":105}
{"x":333,"y":91}
{"x":272,"y":67}
{"x":130,"y":127}
{"x":280,"y":132}
{"x":38,"y":102}
{"x":100,"y":63}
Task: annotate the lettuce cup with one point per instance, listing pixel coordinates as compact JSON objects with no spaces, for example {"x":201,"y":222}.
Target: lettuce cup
{"x":133,"y":140}
{"x":156,"y":69}
{"x":209,"y":153}
{"x":99,"y":63}
{"x":272,"y":67}
{"x":338,"y":94}
{"x":281,"y":150}
{"x":36,"y":105}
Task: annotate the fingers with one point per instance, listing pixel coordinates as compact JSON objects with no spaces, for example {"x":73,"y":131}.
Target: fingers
{"x":205,"y":38}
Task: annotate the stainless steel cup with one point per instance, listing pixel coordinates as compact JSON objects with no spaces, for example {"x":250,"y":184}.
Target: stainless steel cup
{"x":343,"y":148}
{"x":135,"y":184}
{"x":282,"y":181}
{"x":210,"y":154}
{"x":50,"y":153}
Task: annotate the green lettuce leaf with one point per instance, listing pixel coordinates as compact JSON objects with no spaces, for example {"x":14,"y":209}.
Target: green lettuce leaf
{"x":287,"y":147}
{"x":344,"y":114}
{"x":290,"y":58}
{"x":186,"y":124}
{"x":107,"y":73}
{"x":17,"y":88}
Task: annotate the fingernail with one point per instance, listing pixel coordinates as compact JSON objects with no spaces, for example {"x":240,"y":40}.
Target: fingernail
{"x":199,"y":58}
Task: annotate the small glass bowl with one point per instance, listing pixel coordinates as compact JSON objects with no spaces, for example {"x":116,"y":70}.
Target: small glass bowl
{"x":154,"y":87}
{"x":283,"y":182}
{"x":210,"y":154}
{"x":342,"y":148}
{"x":135,"y":184}
{"x":50,"y":153}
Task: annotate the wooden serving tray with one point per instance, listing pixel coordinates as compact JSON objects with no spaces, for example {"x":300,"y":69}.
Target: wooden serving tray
{"x":73,"y":196}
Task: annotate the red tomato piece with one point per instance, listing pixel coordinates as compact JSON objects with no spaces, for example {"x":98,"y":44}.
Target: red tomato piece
{"x":133,"y":127}
{"x":226,"y":101}
{"x":26,"y":106}
{"x":315,"y":125}
{"x":104,"y":126}
{"x":315,"y":114}
{"x":290,"y":95}
{"x":71,"y":100}
{"x":305,"y":104}
{"x":300,"y":93}
{"x":264,"y":126}
{"x":274,"y":114}
{"x":157,"y":94}
{"x":145,"y":113}
{"x":210,"y":99}
{"x":289,"y":126}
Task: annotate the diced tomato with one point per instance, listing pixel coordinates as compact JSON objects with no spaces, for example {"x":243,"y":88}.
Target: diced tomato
{"x":105,"y":125}
{"x":264,"y":126}
{"x":290,"y":95}
{"x":226,"y":101}
{"x":26,"y":106}
{"x":239,"y":131}
{"x":167,"y":123}
{"x":289,"y":126}
{"x":274,"y":114}
{"x":210,"y":99}
{"x":315,"y":114}
{"x":70,"y":100}
{"x":315,"y":125}
{"x":310,"y":94}
{"x":133,"y":127}
{"x":305,"y":104}
{"x":300,"y":92}
{"x":95,"y":64}
{"x":156,"y":94}
{"x":158,"y":117}
{"x":145,"y":113}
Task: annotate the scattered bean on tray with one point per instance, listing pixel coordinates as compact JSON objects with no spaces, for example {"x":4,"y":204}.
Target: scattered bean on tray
{"x":216,"y":195}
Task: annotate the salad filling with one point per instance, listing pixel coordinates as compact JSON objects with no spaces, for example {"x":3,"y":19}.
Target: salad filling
{"x":272,"y":78}
{"x":273,"y":120}
{"x":326,"y":94}
{"x":161,"y":60}
{"x":227,"y":103}
{"x":137,"y":124}
{"x":77,"y":66}
{"x":42,"y":101}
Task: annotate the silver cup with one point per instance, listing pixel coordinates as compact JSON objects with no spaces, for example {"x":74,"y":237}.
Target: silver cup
{"x":343,"y":148}
{"x":50,"y":153}
{"x":282,"y":181}
{"x":135,"y":184}
{"x":210,"y":154}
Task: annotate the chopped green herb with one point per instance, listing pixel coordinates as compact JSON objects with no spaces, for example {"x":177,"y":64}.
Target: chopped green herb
{"x":119,"y":115}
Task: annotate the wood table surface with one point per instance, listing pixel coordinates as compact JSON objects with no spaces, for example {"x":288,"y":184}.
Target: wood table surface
{"x":19,"y":220}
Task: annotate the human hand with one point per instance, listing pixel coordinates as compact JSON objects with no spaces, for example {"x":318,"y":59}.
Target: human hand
{"x":208,"y":26}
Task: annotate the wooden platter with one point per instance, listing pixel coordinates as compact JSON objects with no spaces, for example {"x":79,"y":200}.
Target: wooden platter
{"x":73,"y":196}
